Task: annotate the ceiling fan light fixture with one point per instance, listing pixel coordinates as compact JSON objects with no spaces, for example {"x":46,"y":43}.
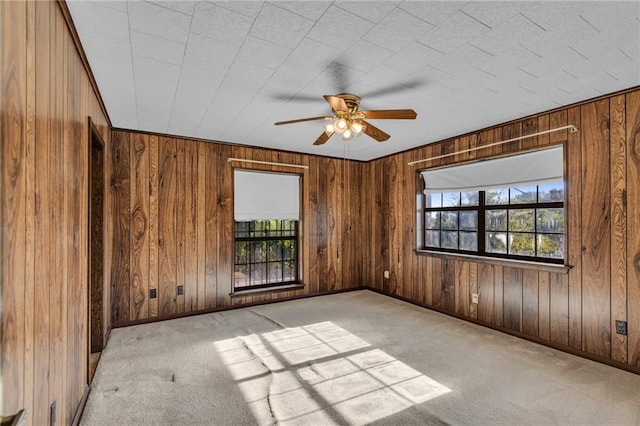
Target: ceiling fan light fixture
{"x":356,"y":128}
{"x":329,"y":128}
{"x":347,"y":135}
{"x":340,"y":125}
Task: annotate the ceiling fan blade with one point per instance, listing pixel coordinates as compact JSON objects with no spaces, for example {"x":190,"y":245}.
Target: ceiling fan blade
{"x":300,"y":120}
{"x":396,"y":114}
{"x":324,"y":136}
{"x":339,"y":72}
{"x":398,"y":87}
{"x":374,"y":132}
{"x":293,"y":97}
{"x":337,"y":104}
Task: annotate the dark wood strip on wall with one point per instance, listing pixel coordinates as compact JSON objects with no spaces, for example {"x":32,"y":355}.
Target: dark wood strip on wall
{"x":224,"y":215}
{"x":139,"y":232}
{"x":596,"y":230}
{"x":14,"y":62}
{"x":120,"y":199}
{"x":512,"y":300}
{"x":167,"y":239}
{"x":633,"y":226}
{"x":43,"y":265}
{"x":153,"y":225}
{"x":573,"y":218}
{"x":618,"y":226}
{"x":543,"y":305}
{"x":530,"y":303}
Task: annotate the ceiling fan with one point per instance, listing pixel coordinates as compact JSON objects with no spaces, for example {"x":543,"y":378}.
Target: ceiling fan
{"x":349,"y":121}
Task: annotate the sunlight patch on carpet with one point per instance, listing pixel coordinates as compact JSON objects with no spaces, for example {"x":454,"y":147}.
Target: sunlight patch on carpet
{"x":322,"y":374}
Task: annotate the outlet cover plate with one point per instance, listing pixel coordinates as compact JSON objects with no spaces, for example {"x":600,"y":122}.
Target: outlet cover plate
{"x":474,"y":298}
{"x":153,"y":293}
{"x":621,"y":327}
{"x":180,"y":290}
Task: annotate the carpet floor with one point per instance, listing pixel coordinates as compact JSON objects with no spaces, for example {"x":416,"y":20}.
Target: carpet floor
{"x":351,"y":359}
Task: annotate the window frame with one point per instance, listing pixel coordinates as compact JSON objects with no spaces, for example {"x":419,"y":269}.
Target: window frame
{"x":296,"y":259}
{"x":481,"y":209}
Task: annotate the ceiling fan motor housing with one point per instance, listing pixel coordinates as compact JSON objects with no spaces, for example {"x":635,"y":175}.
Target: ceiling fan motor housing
{"x":352,"y":101}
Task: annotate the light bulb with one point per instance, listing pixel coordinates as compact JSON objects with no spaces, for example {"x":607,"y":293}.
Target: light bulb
{"x":347,"y":134}
{"x":329,"y":128}
{"x":340,"y":125}
{"x":356,"y":128}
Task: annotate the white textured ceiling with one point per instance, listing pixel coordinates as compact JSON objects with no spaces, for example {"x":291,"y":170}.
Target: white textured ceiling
{"x":227,"y":70}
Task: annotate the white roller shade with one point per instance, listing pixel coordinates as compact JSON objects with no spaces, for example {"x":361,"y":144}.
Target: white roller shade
{"x":536,"y":167}
{"x":262,"y":196}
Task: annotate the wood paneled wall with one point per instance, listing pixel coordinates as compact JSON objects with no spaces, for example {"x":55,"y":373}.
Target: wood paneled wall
{"x":577,"y":310}
{"x":172,"y":209}
{"x":45,"y":98}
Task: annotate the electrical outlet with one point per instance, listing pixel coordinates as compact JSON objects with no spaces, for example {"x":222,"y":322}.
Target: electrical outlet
{"x":474,"y":298}
{"x":386,"y":274}
{"x":153,"y":293}
{"x":180,"y":290}
{"x":621,"y":327}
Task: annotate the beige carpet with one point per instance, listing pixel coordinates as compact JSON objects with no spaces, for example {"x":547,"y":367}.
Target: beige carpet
{"x":351,"y":358}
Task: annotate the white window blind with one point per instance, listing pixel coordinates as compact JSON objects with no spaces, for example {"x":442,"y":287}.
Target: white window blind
{"x":262,"y":196}
{"x":531,"y":168}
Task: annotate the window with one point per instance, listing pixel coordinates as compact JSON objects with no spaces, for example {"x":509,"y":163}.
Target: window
{"x":266,"y":253}
{"x":520,"y":221}
{"x":266,"y":211}
{"x":517,"y":222}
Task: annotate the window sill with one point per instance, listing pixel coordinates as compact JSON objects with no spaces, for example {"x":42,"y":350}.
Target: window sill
{"x":285,"y":287}
{"x":539,"y":266}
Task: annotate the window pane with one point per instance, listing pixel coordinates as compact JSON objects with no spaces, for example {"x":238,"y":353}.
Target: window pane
{"x":290,"y":272}
{"x":496,"y":242}
{"x":469,"y":241}
{"x":523,"y":195}
{"x":432,"y":238}
{"x":551,"y":245}
{"x":257,"y":229}
{"x":451,"y":199}
{"x":258,"y":273}
{"x":434,"y":199}
{"x":241,"y":276}
{"x":469,"y":220}
{"x":274,"y":271}
{"x":258,"y":251}
{"x":432,"y":220}
{"x":521,"y":220}
{"x":552,"y":192}
{"x":449,"y":220}
{"x":550,"y":220}
{"x":521,"y":244}
{"x":497,"y":196}
{"x":450,"y":239}
{"x":242,"y":229}
{"x":242,"y":252}
{"x":496,"y":220}
{"x":274,"y":250}
{"x":288,"y":249}
{"x":470,"y":198}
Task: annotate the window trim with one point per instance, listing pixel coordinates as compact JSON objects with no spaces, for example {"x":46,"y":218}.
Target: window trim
{"x":481,"y":208}
{"x":490,"y":260}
